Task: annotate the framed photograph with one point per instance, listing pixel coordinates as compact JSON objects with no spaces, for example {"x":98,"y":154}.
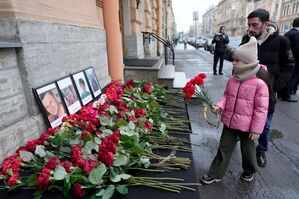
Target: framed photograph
{"x":51,"y":104}
{"x":82,"y":87}
{"x":69,"y":94}
{"x":93,"y":82}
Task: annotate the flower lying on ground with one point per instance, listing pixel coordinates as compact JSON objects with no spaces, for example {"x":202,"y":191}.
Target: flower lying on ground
{"x":93,"y":151}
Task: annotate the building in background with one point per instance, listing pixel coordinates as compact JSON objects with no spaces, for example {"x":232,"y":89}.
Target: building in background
{"x":43,"y":41}
{"x":290,"y":10}
{"x":233,"y":14}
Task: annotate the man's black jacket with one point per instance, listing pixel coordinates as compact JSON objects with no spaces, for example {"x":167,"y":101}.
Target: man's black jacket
{"x":293,"y":36}
{"x":276,"y":54}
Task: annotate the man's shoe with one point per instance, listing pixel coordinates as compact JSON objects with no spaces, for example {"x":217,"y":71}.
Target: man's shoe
{"x":206,"y":179}
{"x":214,"y":73}
{"x":221,"y":73}
{"x":293,"y":92}
{"x":246,"y":176}
{"x":261,"y":158}
{"x":290,"y":99}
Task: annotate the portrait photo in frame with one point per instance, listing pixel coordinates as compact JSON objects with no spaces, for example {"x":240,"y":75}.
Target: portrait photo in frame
{"x":93,"y":82}
{"x":69,"y":94}
{"x":51,"y":104}
{"x":82,"y":87}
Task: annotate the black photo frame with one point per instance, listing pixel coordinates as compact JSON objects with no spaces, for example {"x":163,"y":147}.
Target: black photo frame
{"x":51,"y":104}
{"x":82,"y":87}
{"x":93,"y":82}
{"x":69,"y":94}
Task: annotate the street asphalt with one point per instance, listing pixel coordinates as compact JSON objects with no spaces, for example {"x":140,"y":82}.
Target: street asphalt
{"x":280,"y":178}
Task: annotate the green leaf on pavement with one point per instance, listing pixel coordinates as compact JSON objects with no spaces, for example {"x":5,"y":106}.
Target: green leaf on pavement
{"x":40,"y":151}
{"x":109,"y":192}
{"x":122,"y":189}
{"x":131,"y":125}
{"x":96,"y":175}
{"x":120,"y":160}
{"x":59,"y":173}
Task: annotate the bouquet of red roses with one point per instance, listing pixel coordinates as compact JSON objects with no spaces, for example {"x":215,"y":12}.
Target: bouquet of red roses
{"x":196,"y":87}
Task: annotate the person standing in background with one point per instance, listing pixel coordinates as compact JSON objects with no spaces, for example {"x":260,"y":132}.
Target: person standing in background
{"x":221,"y":40}
{"x":293,"y":36}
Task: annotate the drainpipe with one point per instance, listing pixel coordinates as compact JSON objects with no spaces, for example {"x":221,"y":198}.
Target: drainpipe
{"x":113,"y":40}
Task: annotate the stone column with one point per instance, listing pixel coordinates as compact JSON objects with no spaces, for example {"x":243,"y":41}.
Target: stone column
{"x":113,"y":38}
{"x":159,"y":25}
{"x":134,"y":39}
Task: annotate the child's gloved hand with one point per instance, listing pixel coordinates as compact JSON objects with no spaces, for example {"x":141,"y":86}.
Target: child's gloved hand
{"x":254,"y":136}
{"x":215,"y":109}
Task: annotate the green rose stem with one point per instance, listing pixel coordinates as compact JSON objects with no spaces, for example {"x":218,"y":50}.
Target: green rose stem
{"x":172,"y":147}
{"x":142,"y":169}
{"x":169,"y":186}
{"x":178,"y":130}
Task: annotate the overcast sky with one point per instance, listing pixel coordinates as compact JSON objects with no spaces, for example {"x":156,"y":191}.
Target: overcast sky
{"x":183,"y":11}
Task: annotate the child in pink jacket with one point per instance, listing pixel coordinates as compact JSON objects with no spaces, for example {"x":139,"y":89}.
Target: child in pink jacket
{"x":244,"y":108}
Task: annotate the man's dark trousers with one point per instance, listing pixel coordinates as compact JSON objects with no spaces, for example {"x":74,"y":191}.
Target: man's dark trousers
{"x":218,"y":56}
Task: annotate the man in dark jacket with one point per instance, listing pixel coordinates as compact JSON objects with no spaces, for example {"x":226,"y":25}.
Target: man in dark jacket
{"x":221,"y":40}
{"x":273,"y":51}
{"x":293,"y":36}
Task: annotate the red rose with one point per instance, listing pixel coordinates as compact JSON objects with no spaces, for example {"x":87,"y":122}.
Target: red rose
{"x":43,"y":179}
{"x":131,"y":118}
{"x":202,"y":75}
{"x":43,"y":138}
{"x":76,"y":153}
{"x":147,"y":125}
{"x":147,"y":88}
{"x":84,"y":134}
{"x":139,"y":112}
{"x":111,"y":147}
{"x":121,"y":106}
{"x":189,"y":90}
{"x":67,"y":165}
{"x":13,"y":180}
{"x":89,"y":165}
{"x":106,"y":157}
{"x":198,"y":80}
{"x":78,"y":191}
{"x":121,"y":115}
{"x":31,"y":145}
{"x":114,"y":137}
{"x":130,"y":82}
{"x":52,"y":163}
{"x":137,"y":122}
{"x":80,"y":162}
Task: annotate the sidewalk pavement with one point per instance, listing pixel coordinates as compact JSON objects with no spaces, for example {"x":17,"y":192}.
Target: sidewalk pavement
{"x":280,"y":178}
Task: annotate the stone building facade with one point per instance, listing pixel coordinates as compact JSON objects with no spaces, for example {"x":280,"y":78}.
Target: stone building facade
{"x":290,"y":10}
{"x":43,"y":41}
{"x":233,"y":14}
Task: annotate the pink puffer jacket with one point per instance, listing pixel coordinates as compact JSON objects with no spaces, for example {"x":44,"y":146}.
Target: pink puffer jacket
{"x":244,"y":104}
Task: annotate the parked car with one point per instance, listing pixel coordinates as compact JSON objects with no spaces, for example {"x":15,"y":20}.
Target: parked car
{"x":199,"y":43}
{"x":208,"y":46}
{"x":231,"y":46}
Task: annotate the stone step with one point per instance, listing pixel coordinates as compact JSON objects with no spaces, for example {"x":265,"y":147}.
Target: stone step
{"x":180,"y":80}
{"x":166,"y":72}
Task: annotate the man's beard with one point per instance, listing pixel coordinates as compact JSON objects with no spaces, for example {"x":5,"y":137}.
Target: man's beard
{"x":255,"y":35}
